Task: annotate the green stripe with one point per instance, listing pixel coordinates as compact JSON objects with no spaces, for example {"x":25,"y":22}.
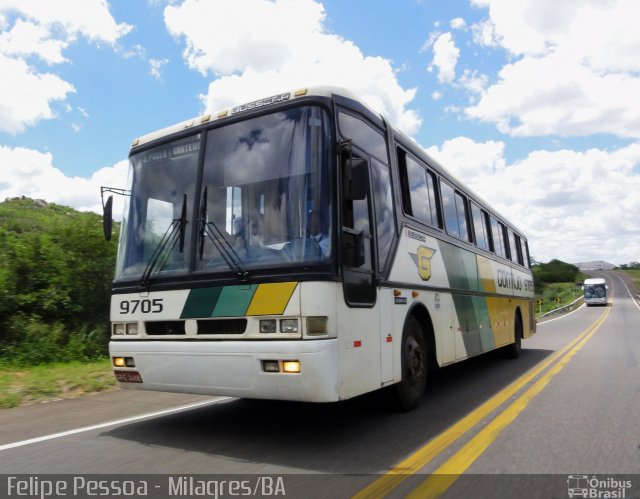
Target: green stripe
{"x":461,"y":267}
{"x":201,"y":302}
{"x":234,"y":300}
{"x":487,"y":339}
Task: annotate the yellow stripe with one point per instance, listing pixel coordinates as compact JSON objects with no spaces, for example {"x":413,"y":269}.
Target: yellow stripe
{"x":271,"y":299}
{"x":448,"y":473}
{"x":412,"y":464}
{"x":486,"y":274}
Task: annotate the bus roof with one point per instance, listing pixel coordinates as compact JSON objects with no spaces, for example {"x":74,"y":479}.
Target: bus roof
{"x":319,"y":91}
{"x":594,"y":280}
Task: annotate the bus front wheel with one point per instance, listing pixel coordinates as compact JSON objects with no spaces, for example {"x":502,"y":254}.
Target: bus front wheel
{"x":413,"y":359}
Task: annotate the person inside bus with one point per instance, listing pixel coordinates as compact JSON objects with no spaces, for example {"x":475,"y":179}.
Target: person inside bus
{"x":320,"y":238}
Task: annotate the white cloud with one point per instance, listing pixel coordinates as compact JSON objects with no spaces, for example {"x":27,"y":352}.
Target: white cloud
{"x":575,"y":72}
{"x":435,"y":95}
{"x":135,"y":51}
{"x":155,"y":65}
{"x":26,"y":96}
{"x":484,"y":33}
{"x":575,"y":206}
{"x":265,"y":47}
{"x":43,"y":30}
{"x":457,"y":23}
{"x":26,"y":38}
{"x":468,"y":159}
{"x":445,"y":57}
{"x":475,"y":83}
{"x":70,"y":18}
{"x":27,"y":172}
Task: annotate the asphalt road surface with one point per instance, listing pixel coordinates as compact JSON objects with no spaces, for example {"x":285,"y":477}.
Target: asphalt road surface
{"x":562,"y":419}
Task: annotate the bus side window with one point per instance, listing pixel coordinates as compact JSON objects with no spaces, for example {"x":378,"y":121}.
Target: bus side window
{"x":512,"y":247}
{"x":480,"y":226}
{"x":418,"y":190}
{"x":461,"y":210}
{"x":525,"y":253}
{"x":519,"y":249}
{"x":449,"y":209}
{"x":498,"y":237}
{"x":455,"y":209}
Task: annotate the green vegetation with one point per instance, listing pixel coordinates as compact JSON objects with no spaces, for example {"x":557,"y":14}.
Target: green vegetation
{"x":629,"y":266}
{"x":55,"y":275}
{"x":556,"y":279}
{"x":32,"y":384}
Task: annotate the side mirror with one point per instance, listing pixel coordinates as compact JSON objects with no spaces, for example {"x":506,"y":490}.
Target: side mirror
{"x":355,"y":178}
{"x":107,"y":218}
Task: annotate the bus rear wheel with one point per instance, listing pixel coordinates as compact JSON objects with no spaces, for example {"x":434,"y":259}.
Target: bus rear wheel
{"x":413,"y":359}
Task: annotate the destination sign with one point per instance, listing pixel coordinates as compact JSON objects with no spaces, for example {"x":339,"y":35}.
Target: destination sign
{"x":172,"y":151}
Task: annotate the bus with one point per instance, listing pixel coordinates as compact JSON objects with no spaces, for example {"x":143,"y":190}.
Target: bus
{"x":595,"y":291}
{"x":298,"y":247}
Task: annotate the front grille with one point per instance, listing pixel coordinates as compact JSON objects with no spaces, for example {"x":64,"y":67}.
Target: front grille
{"x":158,"y":328}
{"x":222,"y":326}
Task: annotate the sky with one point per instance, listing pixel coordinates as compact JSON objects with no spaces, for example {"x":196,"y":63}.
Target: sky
{"x":533,"y":104}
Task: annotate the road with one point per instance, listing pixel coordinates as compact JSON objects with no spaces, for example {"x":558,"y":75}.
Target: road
{"x":570,"y":405}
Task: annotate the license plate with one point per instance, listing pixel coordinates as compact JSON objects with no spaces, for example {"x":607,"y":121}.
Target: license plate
{"x":128,"y":376}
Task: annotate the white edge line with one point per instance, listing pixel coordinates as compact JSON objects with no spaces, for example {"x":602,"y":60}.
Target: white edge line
{"x":112,"y":423}
{"x":561,"y":317}
{"x":628,"y":290}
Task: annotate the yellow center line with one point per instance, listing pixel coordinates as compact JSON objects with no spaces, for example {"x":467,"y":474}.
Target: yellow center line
{"x":450,"y":471}
{"x":412,"y":464}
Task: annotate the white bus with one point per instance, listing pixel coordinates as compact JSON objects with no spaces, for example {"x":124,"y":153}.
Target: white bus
{"x":595,"y":291}
{"x":298,"y":247}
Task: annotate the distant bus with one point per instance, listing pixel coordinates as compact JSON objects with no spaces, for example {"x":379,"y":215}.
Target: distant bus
{"x":298,"y":247}
{"x":595,"y":291}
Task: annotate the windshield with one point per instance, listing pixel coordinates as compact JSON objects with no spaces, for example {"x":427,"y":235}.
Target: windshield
{"x":267,"y":191}
{"x":160,"y":178}
{"x":595,"y":291}
{"x":263,"y":200}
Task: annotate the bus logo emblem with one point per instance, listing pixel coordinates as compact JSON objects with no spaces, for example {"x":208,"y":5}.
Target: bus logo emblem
{"x":424,"y":262}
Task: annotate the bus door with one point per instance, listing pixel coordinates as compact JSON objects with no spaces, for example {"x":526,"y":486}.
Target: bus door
{"x":356,"y":240}
{"x":368,"y":229}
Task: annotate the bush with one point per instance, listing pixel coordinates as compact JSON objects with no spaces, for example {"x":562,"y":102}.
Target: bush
{"x":37,"y":343}
{"x":555,"y":271}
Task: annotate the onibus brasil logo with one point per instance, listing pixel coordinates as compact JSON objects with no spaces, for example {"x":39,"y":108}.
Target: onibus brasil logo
{"x":593,"y":487}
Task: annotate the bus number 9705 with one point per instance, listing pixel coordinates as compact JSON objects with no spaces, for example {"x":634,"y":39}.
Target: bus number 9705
{"x":145,"y":306}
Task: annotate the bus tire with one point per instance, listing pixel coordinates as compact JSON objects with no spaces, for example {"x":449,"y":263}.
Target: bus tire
{"x":513,"y":350}
{"x":413,"y":361}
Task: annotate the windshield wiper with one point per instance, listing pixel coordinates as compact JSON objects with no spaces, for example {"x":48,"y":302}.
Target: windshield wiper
{"x":211,"y":230}
{"x":174,"y":233}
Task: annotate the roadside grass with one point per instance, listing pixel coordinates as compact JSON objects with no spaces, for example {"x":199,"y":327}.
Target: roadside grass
{"x":29,"y":385}
{"x":635,"y":277}
{"x":566,"y":291}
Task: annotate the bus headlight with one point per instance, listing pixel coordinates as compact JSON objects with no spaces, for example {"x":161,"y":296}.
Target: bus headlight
{"x":268,"y":326}
{"x":132,"y":328}
{"x":271,"y":366}
{"x":118,"y":328}
{"x":289,"y":326}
